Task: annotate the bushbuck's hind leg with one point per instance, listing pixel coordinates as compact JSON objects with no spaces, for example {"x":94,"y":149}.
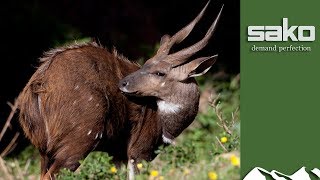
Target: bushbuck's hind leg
{"x":44,"y":165}
{"x":57,"y":165}
{"x":70,"y":150}
{"x":66,"y":158}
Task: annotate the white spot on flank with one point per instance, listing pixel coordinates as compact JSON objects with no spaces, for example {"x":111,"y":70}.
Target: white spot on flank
{"x":97,"y":105}
{"x":167,"y":140}
{"x":74,"y":102}
{"x":96,"y":136}
{"x":76,"y":87}
{"x":101,"y":135}
{"x":168,"y":107}
{"x":89,"y":132}
{"x":90,"y":98}
{"x":162,"y":84}
{"x":131,"y":169}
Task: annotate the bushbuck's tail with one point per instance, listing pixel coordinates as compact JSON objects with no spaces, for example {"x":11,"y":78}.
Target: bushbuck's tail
{"x":31,"y":118}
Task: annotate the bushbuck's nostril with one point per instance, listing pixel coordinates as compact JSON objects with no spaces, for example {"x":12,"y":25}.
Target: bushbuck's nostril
{"x":124,"y":83}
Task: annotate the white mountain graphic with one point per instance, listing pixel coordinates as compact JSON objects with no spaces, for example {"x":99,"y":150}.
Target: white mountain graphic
{"x":259,"y":173}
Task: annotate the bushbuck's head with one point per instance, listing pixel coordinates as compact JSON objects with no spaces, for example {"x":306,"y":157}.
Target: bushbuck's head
{"x":159,"y":74}
{"x":170,"y":78}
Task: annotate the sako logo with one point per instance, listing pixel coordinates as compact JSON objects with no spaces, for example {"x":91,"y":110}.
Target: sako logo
{"x":281,"y":33}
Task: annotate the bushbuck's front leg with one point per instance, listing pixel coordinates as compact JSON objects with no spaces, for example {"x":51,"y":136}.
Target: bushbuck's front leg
{"x":132,"y":169}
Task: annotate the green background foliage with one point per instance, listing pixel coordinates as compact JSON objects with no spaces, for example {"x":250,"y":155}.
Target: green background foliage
{"x":279,"y":91}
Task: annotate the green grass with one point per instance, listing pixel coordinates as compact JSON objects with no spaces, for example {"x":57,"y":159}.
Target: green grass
{"x":198,"y":151}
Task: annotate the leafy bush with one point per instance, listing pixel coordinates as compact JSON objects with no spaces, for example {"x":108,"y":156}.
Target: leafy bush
{"x":96,"y":166}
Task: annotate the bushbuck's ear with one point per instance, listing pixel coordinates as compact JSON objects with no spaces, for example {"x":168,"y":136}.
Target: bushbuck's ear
{"x":164,"y":39}
{"x":196,"y":67}
{"x":201,"y":65}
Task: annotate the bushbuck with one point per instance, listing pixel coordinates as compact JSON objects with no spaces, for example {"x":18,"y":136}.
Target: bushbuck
{"x":84,"y":98}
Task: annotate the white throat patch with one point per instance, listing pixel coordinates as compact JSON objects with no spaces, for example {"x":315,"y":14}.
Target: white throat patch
{"x":167,"y":107}
{"x":167,"y":140}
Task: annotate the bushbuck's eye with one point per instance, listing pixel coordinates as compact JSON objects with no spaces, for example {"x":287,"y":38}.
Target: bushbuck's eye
{"x":160,"y":74}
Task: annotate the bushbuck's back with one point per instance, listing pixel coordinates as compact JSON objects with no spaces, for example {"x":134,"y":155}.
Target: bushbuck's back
{"x":83,"y":97}
{"x":64,"y":107}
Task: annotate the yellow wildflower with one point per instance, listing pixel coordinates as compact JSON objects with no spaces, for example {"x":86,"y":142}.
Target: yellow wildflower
{"x":186,"y":172}
{"x":212,"y":175}
{"x":223,"y":139}
{"x":113,"y":169}
{"x":154,"y":173}
{"x":139,"y":166}
{"x":235,"y":160}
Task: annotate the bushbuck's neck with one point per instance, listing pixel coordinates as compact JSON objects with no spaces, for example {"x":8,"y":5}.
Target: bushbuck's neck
{"x":177,"y":111}
{"x":145,"y":128}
